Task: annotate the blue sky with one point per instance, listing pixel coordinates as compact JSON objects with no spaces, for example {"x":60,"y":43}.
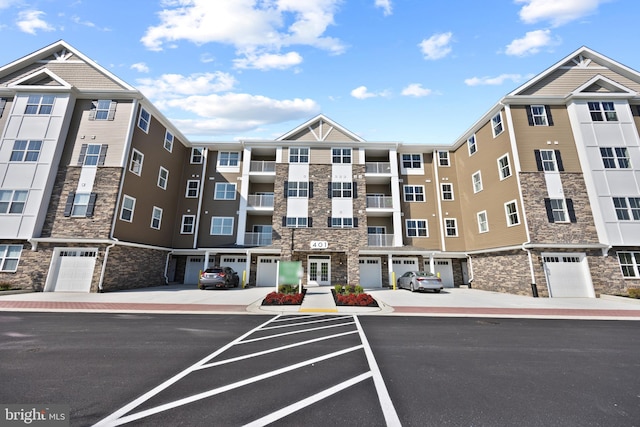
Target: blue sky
{"x":413,"y":71}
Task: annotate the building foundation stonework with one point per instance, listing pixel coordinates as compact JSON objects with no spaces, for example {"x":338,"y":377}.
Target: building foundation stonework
{"x":506,"y":272}
{"x":133,"y":267}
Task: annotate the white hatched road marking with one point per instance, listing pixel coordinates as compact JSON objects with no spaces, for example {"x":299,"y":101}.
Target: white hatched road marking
{"x":120,"y":416}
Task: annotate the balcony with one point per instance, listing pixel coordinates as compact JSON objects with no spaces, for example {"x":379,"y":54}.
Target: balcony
{"x":379,"y":202}
{"x":260,"y":201}
{"x":377,"y":167}
{"x":262,"y":170}
{"x":380,"y":240}
{"x":257,"y":239}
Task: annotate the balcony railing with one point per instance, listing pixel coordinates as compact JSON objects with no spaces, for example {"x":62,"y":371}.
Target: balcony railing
{"x":257,"y":239}
{"x":260,"y":200}
{"x":379,"y":202}
{"x":262,"y":166}
{"x":380,"y":239}
{"x":377,"y":167}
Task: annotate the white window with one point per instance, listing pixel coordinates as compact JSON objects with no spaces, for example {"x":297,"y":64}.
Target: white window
{"x":558,"y":210}
{"x":163,"y":178}
{"x":92,"y":155}
{"x":471,"y":145}
{"x":188,"y":224}
{"x":225,"y":191}
{"x":26,"y":151}
{"x":296,"y":222}
{"x":137,"y":158}
{"x":9,"y":257}
{"x":156,"y":218}
{"x":297,"y":189}
{"x":451,"y":227}
{"x":627,"y":208}
{"x":228,"y":159}
{"x":193,"y":188}
{"x":417,"y":228}
{"x":548,"y":159}
{"x":341,"y":189}
{"x":602,"y":111}
{"x":221,"y":226}
{"x":342,"y":222}
{"x":511,"y":211}
{"x":443,"y":158}
{"x":483,"y":222}
{"x":615,"y":157}
{"x":477,"y":182}
{"x":144,"y":119}
{"x":39,"y":104}
{"x":341,"y":155}
{"x":496,"y":124}
{"x":103,"y":108}
{"x":539,"y":115}
{"x":80,"y":204}
{"x":412,"y":161}
{"x":504,"y":169}
{"x":128,"y":206}
{"x":168,"y":141}
{"x":298,"y":155}
{"x":414,"y":193}
{"x":13,"y":201}
{"x":447,"y":191}
{"x":629,"y":263}
{"x":197,"y":155}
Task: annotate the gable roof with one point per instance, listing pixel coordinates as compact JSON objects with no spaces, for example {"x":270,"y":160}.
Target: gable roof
{"x":320,"y":128}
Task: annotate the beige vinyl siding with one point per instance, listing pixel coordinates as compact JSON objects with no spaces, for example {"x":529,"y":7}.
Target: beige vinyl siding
{"x":325,"y":133}
{"x":185,"y":206}
{"x":421,"y":210}
{"x":320,"y":156}
{"x":565,"y":81}
{"x":80,"y":75}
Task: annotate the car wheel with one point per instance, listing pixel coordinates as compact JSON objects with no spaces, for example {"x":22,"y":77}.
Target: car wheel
{"x":411,"y":287}
{"x":201,"y":287}
{"x":437,"y":291}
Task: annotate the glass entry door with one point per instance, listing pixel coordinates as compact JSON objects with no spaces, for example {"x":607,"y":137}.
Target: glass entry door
{"x":319,"y":270}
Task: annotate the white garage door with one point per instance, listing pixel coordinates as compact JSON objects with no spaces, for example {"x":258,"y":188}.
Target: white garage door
{"x":192,"y":271}
{"x":568,"y":275}
{"x":72,"y":270}
{"x":443,"y":266}
{"x":402,"y":265}
{"x":238,"y":263}
{"x":370,"y":272}
{"x":267,"y":271}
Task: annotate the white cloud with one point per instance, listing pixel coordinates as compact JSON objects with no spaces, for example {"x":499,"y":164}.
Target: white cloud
{"x":30,"y":22}
{"x":4,"y":4}
{"x":170,"y":86}
{"x":140,"y":67}
{"x":385,"y":5}
{"x":492,"y":81}
{"x":416,"y":89}
{"x":269,"y":61}
{"x":531,"y":43}
{"x":557,"y":12}
{"x":361,"y":92}
{"x":437,"y":46}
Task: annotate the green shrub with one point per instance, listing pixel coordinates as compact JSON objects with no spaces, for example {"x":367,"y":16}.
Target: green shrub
{"x":350,"y":289}
{"x":338,"y":289}
{"x":288,"y":289}
{"x":358,"y":289}
{"x":634,"y":292}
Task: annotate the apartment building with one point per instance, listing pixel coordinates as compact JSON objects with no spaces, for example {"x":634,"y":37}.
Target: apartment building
{"x":100,"y":191}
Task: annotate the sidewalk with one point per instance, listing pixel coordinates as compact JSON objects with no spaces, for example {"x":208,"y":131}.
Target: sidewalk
{"x":450,"y":302}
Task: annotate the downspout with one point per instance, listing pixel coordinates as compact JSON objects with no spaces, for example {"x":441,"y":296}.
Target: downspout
{"x":437,"y":184}
{"x":196,"y":231}
{"x":104,"y":265}
{"x":470,"y":269}
{"x":534,"y":286}
{"x":166,"y":268}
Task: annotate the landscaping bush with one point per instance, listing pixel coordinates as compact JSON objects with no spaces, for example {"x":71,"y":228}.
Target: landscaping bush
{"x":354,"y":299}
{"x":286,"y":295}
{"x":634,"y":292}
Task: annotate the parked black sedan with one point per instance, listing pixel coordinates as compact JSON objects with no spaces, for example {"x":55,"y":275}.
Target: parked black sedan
{"x":218,"y":277}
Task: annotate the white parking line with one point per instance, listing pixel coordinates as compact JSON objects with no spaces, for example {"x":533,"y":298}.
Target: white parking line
{"x":294,"y":332}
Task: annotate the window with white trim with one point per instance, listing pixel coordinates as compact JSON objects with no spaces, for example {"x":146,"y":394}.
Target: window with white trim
{"x":615,"y":157}
{"x":627,"y":208}
{"x":221,"y":226}
{"x":197,"y":155}
{"x":558,"y":210}
{"x":340,"y":155}
{"x":417,"y":228}
{"x":602,"y":111}
{"x":476,"y":178}
{"x":539,"y":115}
{"x":504,"y":168}
{"x":102,"y":109}
{"x":13,"y":201}
{"x":629,"y":263}
{"x":80,"y":204}
{"x":341,"y":189}
{"x":228,"y":158}
{"x":548,"y":159}
{"x":341,"y":222}
{"x":296,"y":222}
{"x":156,"y":218}
{"x":137,"y":159}
{"x":298,"y":155}
{"x":496,"y":124}
{"x":412,"y":161}
{"x":92,"y":155}
{"x":451,"y":227}
{"x":447,"y":191}
{"x":144,"y":119}
{"x":163,"y":178}
{"x":9,"y":257}
{"x":443,"y":158}
{"x":511,"y":212}
{"x":483,"y":222}
{"x":128,"y":207}
{"x":26,"y":150}
{"x":225,"y":191}
{"x":193,"y":189}
{"x":413,"y":193}
{"x":188,"y":224}
{"x":39,"y":104}
{"x":168,"y":141}
{"x":471,"y":144}
{"x":297,"y":189}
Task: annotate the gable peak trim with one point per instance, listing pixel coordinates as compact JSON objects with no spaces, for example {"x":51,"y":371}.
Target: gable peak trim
{"x":37,"y":76}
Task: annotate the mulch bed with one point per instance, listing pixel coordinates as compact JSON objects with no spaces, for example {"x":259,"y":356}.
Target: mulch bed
{"x":359,"y":300}
{"x":279,"y":298}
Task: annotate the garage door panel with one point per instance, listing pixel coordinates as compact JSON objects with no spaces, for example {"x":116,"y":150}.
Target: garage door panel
{"x":73,"y":270}
{"x":568,"y":275}
{"x":370,"y":272}
{"x":266,"y":272}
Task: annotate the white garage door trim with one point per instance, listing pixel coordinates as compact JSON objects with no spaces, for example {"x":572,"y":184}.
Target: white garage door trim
{"x":266,"y":270}
{"x":568,"y":275}
{"x":402,"y":265}
{"x":71,"y":270}
{"x":192,"y":269}
{"x":237,"y":262}
{"x":370,"y":272}
{"x":445,"y":268}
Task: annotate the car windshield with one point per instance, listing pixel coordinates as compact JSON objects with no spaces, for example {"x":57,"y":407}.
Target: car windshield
{"x":213,"y":270}
{"x":424,"y":273}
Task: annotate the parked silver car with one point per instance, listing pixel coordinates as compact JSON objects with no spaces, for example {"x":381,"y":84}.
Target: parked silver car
{"x":420,"y":281}
{"x":218,"y":277}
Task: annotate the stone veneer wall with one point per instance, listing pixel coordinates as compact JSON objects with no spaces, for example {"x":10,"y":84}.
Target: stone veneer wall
{"x":607,"y":274}
{"x":131,"y":267}
{"x":32,"y":268}
{"x":506,"y":272}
